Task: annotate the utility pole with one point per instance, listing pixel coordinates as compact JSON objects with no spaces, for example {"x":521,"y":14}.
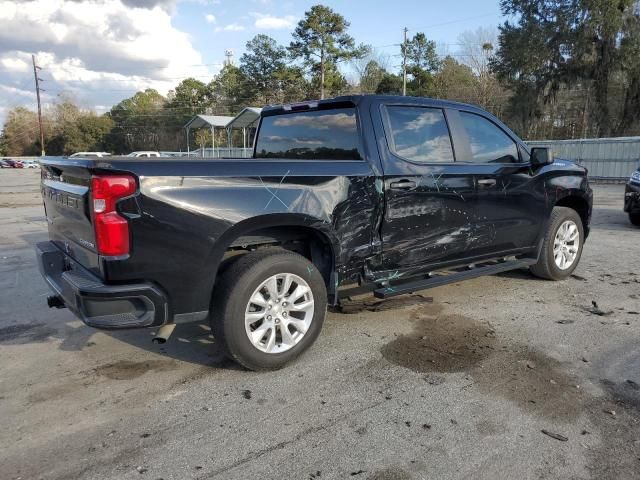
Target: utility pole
{"x":404,"y":63}
{"x":38,"y":80}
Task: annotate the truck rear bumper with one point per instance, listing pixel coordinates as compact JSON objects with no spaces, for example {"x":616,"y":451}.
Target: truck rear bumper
{"x":97,"y":304}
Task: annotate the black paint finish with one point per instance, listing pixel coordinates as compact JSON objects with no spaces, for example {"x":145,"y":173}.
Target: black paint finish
{"x":632,"y":195}
{"x":377,"y":224}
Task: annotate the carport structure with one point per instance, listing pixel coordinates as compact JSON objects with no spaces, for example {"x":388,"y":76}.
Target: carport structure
{"x":247,"y":120}
{"x":207,"y":121}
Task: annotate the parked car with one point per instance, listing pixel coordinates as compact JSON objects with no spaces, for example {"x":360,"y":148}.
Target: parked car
{"x":632,"y":198}
{"x":89,"y":154}
{"x":380,"y":193}
{"x":30,"y":164}
{"x":13,"y":163}
{"x":144,"y":154}
{"x":4,"y":163}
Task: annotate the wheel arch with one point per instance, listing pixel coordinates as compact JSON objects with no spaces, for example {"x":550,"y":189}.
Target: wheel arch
{"x":580,"y":205}
{"x":308,"y":236}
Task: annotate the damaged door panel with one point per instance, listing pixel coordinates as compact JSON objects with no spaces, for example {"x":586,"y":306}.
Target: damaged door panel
{"x":509,"y":205}
{"x":428,"y":197}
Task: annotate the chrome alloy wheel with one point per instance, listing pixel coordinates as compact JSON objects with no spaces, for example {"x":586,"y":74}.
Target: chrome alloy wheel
{"x":566,"y":244}
{"x":279,"y":313}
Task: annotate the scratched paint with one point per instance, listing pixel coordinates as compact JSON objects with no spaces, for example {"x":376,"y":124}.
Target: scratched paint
{"x":189,"y":210}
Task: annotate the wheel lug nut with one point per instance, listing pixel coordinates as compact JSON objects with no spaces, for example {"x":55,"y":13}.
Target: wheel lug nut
{"x":269,"y":317}
{"x":277,"y":320}
{"x":284,"y":304}
{"x":284,"y":314}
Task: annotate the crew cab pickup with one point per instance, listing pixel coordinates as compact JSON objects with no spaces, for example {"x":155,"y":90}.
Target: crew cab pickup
{"x":386,"y":194}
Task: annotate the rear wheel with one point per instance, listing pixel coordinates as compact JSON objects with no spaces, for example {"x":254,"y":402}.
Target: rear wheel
{"x":562,"y":245}
{"x":634,"y":218}
{"x":268,"y":308}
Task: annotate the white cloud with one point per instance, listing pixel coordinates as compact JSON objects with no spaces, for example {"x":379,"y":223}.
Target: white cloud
{"x":425,"y":119}
{"x":14,"y":65}
{"x":210,"y":18}
{"x":318,"y":122}
{"x":232,"y":27}
{"x":205,"y":3}
{"x":96,"y":51}
{"x":270,"y":22}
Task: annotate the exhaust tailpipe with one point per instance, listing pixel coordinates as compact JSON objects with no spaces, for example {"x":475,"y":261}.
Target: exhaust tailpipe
{"x":163,"y":334}
{"x":55,"y":301}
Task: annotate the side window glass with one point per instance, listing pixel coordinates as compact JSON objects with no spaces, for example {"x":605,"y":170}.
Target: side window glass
{"x":420,"y":134}
{"x":489,"y":144}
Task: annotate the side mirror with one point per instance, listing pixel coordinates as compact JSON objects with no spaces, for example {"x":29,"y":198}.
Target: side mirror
{"x":541,"y":156}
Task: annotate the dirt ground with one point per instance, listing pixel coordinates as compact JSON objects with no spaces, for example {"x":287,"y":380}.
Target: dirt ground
{"x":499,"y":377}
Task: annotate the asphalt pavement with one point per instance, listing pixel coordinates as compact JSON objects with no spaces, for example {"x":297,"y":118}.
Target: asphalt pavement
{"x":506,"y":376}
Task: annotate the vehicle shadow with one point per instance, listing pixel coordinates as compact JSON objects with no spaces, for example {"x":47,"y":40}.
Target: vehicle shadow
{"x":520,"y":274}
{"x":190,"y":342}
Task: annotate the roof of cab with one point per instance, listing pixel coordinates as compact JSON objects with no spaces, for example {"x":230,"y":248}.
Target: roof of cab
{"x":357,"y":99}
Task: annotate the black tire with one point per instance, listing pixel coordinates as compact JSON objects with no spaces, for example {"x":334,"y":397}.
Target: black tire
{"x":634,"y":218}
{"x":546,"y":267}
{"x":231,"y":296}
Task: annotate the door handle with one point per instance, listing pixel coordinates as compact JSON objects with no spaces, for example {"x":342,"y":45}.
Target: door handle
{"x":487,"y":182}
{"x":403,"y":185}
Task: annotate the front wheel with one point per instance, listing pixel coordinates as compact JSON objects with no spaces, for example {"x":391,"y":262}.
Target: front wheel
{"x":634,"y":218}
{"x":562,"y":245}
{"x":268,"y":308}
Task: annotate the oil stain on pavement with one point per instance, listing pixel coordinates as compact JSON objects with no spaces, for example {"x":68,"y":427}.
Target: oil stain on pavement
{"x":448,"y":343}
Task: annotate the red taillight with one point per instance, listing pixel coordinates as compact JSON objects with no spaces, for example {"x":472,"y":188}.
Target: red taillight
{"x":112,"y":230}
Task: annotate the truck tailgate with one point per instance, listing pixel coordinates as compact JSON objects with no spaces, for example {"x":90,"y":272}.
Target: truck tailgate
{"x":65,"y":191}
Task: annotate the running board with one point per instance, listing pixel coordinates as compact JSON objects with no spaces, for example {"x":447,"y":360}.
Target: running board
{"x":439,"y":280}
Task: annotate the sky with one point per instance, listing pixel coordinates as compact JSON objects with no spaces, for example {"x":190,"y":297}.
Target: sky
{"x":98,"y":52}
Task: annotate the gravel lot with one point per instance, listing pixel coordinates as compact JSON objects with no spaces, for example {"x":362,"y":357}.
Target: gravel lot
{"x":460,"y":387}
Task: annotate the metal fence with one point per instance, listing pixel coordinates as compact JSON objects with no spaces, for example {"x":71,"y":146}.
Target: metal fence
{"x":610,"y":159}
{"x":218,"y":152}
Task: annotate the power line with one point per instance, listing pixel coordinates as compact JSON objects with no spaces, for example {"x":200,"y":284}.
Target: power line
{"x":451,"y":22}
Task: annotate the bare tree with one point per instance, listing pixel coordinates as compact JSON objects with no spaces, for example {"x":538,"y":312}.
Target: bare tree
{"x":368,"y":70}
{"x":476,"y":47}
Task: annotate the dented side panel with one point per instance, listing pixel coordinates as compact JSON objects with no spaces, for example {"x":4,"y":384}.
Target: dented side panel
{"x":181,"y":225}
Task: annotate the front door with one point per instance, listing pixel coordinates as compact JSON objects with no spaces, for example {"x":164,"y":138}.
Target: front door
{"x":509,"y":208}
{"x":429,"y":198}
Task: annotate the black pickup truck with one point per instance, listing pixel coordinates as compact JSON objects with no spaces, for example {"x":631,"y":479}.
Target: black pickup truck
{"x":387,"y":194}
{"x":632,"y":198}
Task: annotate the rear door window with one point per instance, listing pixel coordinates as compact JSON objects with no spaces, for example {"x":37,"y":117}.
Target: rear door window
{"x":419,"y":134}
{"x":313,"y":135}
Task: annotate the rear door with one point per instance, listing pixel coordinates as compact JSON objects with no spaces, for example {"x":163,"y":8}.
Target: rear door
{"x":509,"y":208}
{"x":428,"y":196}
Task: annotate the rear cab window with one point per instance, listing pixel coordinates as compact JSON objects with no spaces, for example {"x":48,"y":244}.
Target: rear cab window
{"x":330,"y":134}
{"x":419,"y":134}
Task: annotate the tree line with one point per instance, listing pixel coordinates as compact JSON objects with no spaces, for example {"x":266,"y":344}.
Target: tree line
{"x":562,"y":69}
